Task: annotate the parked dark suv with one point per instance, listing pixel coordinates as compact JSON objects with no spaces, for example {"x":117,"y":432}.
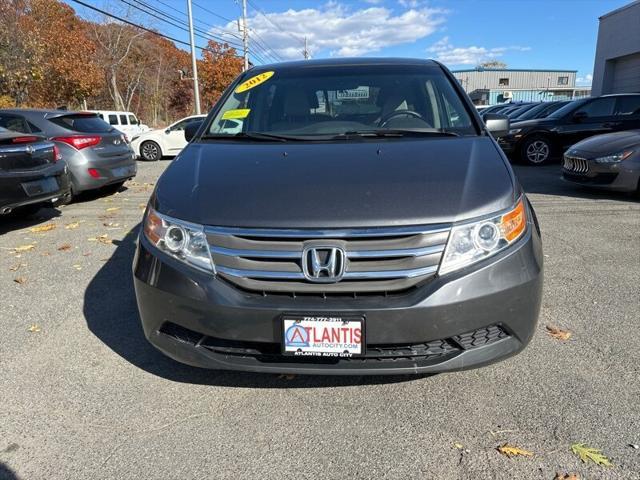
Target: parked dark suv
{"x":362,"y":221}
{"x":540,"y":140}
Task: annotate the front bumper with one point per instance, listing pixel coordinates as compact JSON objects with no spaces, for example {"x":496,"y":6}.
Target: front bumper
{"x":201,"y":320}
{"x":620,"y":177}
{"x":25,"y":187}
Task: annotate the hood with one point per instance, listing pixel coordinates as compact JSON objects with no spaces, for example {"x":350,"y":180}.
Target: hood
{"x":608,"y":143}
{"x":336,"y":185}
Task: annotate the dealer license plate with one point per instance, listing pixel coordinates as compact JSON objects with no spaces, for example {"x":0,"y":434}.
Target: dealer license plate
{"x":323,"y":336}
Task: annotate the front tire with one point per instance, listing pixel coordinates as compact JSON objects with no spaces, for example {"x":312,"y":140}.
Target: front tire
{"x":150,"y":151}
{"x":536,"y":150}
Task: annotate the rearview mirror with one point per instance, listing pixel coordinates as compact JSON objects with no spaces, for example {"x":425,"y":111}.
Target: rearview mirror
{"x":191,"y":129}
{"x":497,"y":124}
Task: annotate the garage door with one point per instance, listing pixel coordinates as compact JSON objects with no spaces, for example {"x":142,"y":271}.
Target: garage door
{"x":626,"y":74}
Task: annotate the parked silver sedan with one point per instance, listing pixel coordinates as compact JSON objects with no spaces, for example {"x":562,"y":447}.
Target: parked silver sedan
{"x":610,"y":161}
{"x":97,"y":154}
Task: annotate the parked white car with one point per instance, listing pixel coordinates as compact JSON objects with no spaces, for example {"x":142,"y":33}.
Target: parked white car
{"x":125,"y":122}
{"x":155,"y":144}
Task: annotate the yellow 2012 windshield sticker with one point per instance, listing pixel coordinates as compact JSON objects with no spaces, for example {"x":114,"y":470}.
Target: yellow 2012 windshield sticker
{"x":254,"y":81}
{"x":233,"y":114}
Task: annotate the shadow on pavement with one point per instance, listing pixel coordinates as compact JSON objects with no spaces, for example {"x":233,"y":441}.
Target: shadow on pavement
{"x":547,"y":180}
{"x":111,"y":314}
{"x":6,"y":473}
{"x":9,"y":223}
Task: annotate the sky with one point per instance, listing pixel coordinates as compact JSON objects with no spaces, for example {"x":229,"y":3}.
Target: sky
{"x":542,"y":34}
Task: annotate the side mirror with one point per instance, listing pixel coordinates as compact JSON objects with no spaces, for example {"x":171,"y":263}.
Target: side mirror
{"x":580,"y":116}
{"x":167,"y":131}
{"x":191,"y":129}
{"x":497,"y":124}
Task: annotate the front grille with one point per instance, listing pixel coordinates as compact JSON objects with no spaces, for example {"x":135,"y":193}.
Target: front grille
{"x":575,"y":164}
{"x":378,"y":260}
{"x":269,"y":352}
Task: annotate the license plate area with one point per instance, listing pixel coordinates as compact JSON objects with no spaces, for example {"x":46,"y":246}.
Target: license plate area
{"x":40,"y":187}
{"x":323,"y":336}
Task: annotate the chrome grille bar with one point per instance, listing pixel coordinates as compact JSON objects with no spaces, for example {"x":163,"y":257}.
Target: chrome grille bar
{"x":275,"y":275}
{"x":329,"y":233}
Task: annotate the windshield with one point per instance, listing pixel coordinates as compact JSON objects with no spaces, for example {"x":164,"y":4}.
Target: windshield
{"x":321,"y":101}
{"x":82,"y":122}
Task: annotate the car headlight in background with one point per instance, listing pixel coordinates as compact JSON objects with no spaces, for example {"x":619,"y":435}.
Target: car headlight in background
{"x":184,"y":241}
{"x":615,"y":158}
{"x":471,"y":242}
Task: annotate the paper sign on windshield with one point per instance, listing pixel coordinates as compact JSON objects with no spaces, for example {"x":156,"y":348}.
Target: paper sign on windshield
{"x":254,"y":81}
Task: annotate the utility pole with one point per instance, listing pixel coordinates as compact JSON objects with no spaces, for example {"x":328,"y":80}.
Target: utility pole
{"x":245,"y":36}
{"x":305,"y":52}
{"x":194,"y":64}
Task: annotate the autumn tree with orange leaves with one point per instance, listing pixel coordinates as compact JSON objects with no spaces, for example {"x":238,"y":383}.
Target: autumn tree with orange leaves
{"x":50,"y":57}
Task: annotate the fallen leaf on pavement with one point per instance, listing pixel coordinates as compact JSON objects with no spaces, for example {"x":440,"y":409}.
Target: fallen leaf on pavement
{"x":566,"y":476}
{"x":16,"y":267}
{"x":20,"y":280}
{"x":24,"y":248}
{"x":64,"y":247}
{"x":142,"y":206}
{"x":77,"y":267}
{"x":459,"y":446}
{"x":33,"y":328}
{"x":511,"y":451}
{"x":558,"y":333}
{"x":634,"y":446}
{"x":588,"y":453}
{"x":113,"y":209}
{"x":102,"y":239}
{"x":43,"y":228}
{"x":72,"y":226}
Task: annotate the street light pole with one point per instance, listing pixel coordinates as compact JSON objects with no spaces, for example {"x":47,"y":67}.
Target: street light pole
{"x":194,"y":63}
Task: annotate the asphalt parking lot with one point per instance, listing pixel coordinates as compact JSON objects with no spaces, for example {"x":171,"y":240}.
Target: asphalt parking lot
{"x":82,"y":394}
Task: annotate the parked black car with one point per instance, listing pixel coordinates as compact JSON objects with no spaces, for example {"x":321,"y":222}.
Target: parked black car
{"x":32,"y":173}
{"x":610,"y":162}
{"x":540,"y":110}
{"x":538,"y":141}
{"x":363,"y":221}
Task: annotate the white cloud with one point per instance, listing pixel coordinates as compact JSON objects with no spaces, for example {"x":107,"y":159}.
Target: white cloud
{"x":340,"y":30}
{"x":584,"y":81}
{"x":444,"y":51}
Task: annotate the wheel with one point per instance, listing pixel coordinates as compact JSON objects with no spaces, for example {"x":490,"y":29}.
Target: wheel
{"x":150,"y":151}
{"x":536,"y":150}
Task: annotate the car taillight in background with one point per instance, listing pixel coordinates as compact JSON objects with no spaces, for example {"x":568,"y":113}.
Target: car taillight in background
{"x":57,"y":156}
{"x":80,"y":141}
{"x":27,"y":139}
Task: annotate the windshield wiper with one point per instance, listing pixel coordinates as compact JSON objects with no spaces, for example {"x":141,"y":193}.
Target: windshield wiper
{"x":259,"y":136}
{"x":401,"y":132}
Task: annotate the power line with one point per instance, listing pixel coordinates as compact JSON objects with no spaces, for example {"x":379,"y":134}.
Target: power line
{"x":213,"y":13}
{"x":272,"y":22}
{"x":133,"y":24}
{"x":181,"y":26}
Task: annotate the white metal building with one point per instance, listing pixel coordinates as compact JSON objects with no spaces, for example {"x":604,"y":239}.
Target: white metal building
{"x":617,"y":63}
{"x":491,"y":86}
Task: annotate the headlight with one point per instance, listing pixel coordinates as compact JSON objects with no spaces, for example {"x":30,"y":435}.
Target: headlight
{"x":615,"y":158}
{"x":513,"y":131}
{"x":471,"y":242}
{"x":182,"y":240}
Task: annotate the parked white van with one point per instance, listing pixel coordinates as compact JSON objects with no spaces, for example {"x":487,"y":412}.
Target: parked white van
{"x":126,"y":122}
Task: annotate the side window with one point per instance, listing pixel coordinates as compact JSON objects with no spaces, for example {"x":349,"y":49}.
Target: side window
{"x":133,"y":120}
{"x":123,"y":120}
{"x":180,"y":125}
{"x":113,"y":120}
{"x":601,"y":107}
{"x":563,"y":80}
{"x":628,"y":105}
{"x":15,"y":123}
{"x":503,"y":82}
{"x":33,"y":128}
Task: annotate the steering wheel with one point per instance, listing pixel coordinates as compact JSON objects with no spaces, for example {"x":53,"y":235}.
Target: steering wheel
{"x":397,"y":113}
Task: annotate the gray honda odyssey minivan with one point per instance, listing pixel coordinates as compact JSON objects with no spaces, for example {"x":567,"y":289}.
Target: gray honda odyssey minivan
{"x":349,"y":216}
